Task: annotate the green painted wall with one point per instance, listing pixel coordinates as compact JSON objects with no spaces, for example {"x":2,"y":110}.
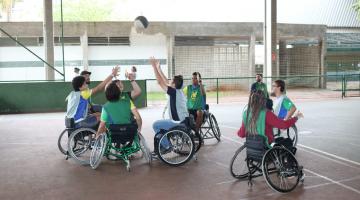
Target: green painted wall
{"x":49,"y":96}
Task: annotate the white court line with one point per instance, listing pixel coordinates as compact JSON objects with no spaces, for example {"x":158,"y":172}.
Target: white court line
{"x":331,"y":155}
{"x":324,"y":177}
{"x":313,"y":149}
{"x":334,"y":182}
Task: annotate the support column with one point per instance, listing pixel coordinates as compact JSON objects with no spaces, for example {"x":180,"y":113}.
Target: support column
{"x":322,"y":66}
{"x":85,"y":52}
{"x":283,"y":62}
{"x":48,"y":34}
{"x":251,"y":55}
{"x":270,"y":40}
{"x":170,"y":55}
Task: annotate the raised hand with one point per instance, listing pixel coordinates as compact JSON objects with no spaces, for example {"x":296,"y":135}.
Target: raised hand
{"x":154,"y":62}
{"x":115,"y":71}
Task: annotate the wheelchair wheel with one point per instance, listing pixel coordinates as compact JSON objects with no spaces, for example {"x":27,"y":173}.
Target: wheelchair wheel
{"x":175,"y":147}
{"x":80,"y":144}
{"x":280,"y":169}
{"x":145,"y":149}
{"x":291,"y":133}
{"x":238,"y":164}
{"x":215,"y":127}
{"x":63,"y":142}
{"x":98,"y":151}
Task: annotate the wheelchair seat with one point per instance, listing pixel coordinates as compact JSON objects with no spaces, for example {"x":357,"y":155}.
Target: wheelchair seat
{"x":255,"y":147}
{"x":123,"y":133}
{"x":69,"y":123}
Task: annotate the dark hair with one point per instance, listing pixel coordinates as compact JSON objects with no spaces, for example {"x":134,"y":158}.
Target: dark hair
{"x":112,"y":92}
{"x":257,"y":102}
{"x":77,"y":82}
{"x":196,"y":73}
{"x":178,"y":80}
{"x":259,"y":74}
{"x":281,"y":84}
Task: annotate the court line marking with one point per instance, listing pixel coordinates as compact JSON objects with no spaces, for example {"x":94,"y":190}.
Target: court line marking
{"x":313,"y":149}
{"x":331,"y":155}
{"x":322,"y":176}
{"x":333,"y":181}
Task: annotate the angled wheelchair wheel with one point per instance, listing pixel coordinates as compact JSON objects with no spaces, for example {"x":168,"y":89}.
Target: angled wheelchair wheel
{"x":80,"y":145}
{"x":176,"y":147}
{"x":98,"y":151}
{"x":215,"y":127}
{"x":291,"y":133}
{"x":238,"y":164}
{"x":281,"y":170}
{"x":198,"y":140}
{"x":145,"y":149}
{"x":63,"y":142}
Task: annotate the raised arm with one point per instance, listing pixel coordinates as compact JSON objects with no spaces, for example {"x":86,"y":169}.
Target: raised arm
{"x":156,"y":65}
{"x":102,"y":85}
{"x":136,"y":88}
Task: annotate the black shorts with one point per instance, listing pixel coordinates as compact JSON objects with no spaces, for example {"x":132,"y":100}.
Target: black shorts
{"x":193,"y":112}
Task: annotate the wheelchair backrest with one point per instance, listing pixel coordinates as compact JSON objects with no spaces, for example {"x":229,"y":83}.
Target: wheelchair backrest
{"x":69,"y":123}
{"x":122,"y":133}
{"x":255,"y":147}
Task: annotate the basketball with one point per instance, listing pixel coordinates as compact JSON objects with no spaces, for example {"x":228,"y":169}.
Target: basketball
{"x":141,"y":23}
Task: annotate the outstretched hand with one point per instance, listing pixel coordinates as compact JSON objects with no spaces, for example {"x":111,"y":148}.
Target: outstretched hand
{"x":299,"y":115}
{"x":154,"y":62}
{"x":115,"y":71}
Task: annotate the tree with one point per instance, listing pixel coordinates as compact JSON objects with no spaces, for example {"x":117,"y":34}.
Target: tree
{"x":6,"y":7}
{"x":83,"y":10}
{"x":357,"y":8}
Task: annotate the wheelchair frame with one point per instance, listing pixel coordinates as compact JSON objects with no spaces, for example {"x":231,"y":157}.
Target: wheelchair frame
{"x":258,"y":157}
{"x":122,"y":153}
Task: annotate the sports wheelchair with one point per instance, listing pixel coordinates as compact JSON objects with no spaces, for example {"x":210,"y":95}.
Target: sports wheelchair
{"x":276,"y":164}
{"x":291,"y":133}
{"x":80,"y":141}
{"x":119,"y":143}
{"x":176,"y":146}
{"x":209,"y":129}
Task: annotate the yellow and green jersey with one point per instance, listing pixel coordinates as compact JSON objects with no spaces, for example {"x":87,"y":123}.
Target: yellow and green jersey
{"x":195,"y":101}
{"x":118,"y":112}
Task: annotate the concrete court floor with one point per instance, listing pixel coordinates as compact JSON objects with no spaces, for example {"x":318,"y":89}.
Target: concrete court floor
{"x":31,"y":167}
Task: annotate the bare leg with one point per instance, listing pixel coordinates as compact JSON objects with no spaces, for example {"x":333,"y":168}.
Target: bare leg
{"x":199,"y":119}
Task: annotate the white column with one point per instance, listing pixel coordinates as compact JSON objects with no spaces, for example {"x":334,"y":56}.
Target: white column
{"x":48,"y":34}
{"x":270,"y":40}
{"x":85,"y":52}
{"x":170,"y":55}
{"x":251,"y":55}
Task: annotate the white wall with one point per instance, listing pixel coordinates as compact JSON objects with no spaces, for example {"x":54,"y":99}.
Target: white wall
{"x":142,"y":47}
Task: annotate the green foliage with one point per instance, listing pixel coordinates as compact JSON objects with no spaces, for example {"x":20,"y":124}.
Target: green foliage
{"x":356,"y":6}
{"x":84,"y":10}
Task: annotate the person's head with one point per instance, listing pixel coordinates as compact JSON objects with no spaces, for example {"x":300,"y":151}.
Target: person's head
{"x":112,"y":92}
{"x":86,"y":74}
{"x":259,"y":77}
{"x":177,"y":82}
{"x":76,"y":70}
{"x":119,"y":84}
{"x":195,"y":77}
{"x":133,"y":69}
{"x":257,"y":103}
{"x":278,"y":87}
{"x":79,"y":83}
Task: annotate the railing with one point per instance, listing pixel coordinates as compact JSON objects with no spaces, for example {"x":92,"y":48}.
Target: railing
{"x":338,"y":86}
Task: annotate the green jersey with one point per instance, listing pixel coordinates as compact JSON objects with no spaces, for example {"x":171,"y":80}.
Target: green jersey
{"x":118,"y":112}
{"x":194,"y":98}
{"x":260,"y":124}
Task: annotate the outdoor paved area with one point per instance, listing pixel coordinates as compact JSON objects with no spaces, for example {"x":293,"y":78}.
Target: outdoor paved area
{"x":31,"y":166}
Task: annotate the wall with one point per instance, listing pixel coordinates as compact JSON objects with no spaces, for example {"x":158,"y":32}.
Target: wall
{"x":16,"y":63}
{"x":48,"y":96}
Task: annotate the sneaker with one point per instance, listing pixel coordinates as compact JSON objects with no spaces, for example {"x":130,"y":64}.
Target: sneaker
{"x":154,"y":155}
